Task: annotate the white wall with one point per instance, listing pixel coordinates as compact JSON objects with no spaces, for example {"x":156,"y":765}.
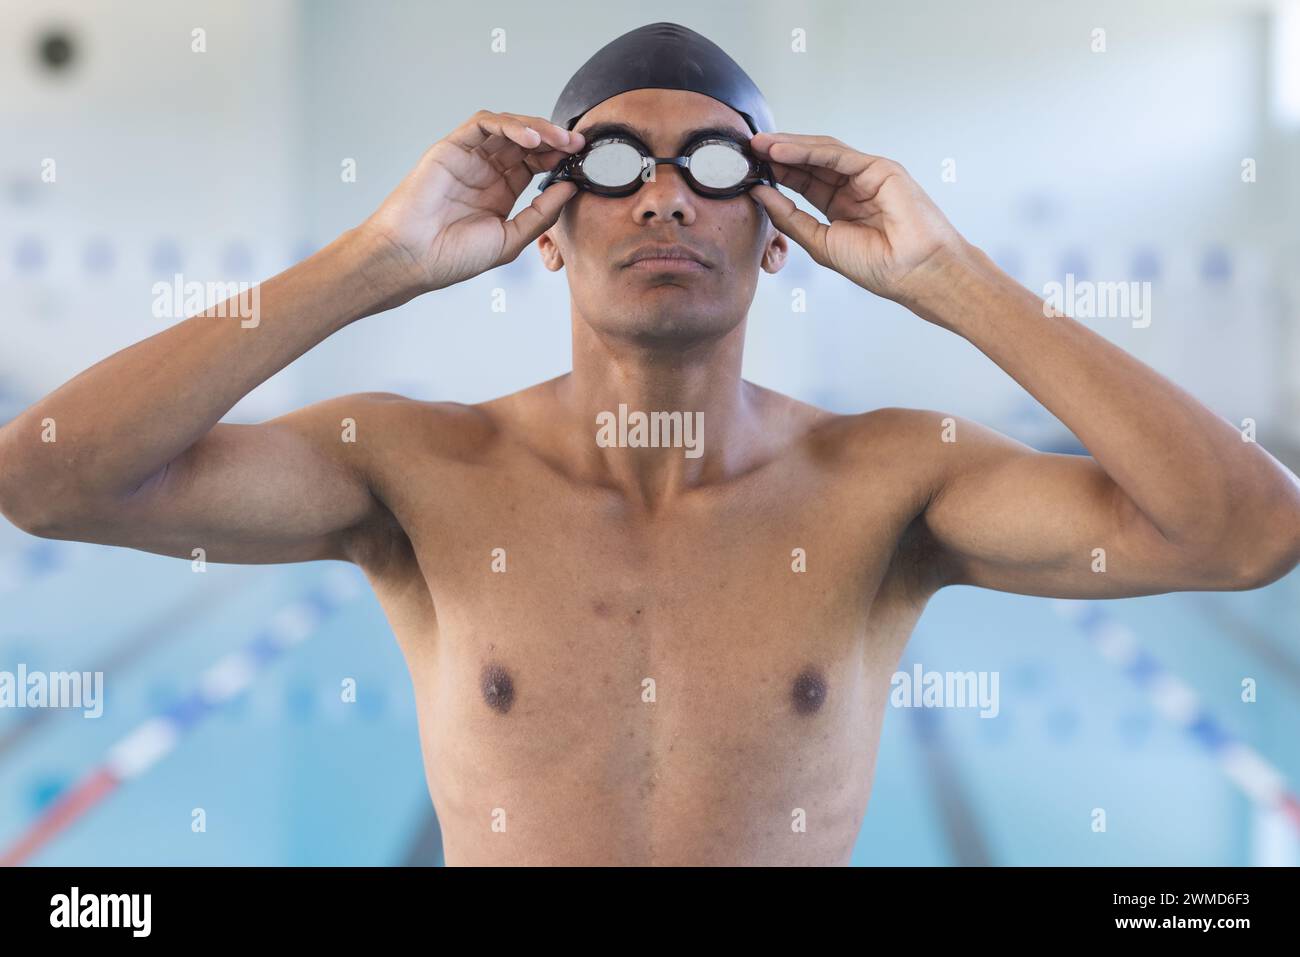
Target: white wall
{"x":153,"y":145}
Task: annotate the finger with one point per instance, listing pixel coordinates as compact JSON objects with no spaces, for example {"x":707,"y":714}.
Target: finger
{"x":520,"y":152}
{"x":544,"y":162}
{"x":804,"y":229}
{"x":479,"y":129}
{"x":866,"y":173}
{"x":531,"y":133}
{"x":820,"y":173}
{"x":519,"y":177}
{"x":555,"y":136}
{"x":831,"y":156}
{"x":507,"y":155}
{"x":762,"y":142}
{"x":808,"y":182}
{"x":535,"y":219}
{"x":476,"y":172}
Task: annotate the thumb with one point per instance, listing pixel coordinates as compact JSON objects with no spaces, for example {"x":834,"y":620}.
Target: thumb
{"x":536,"y":218}
{"x":807,"y":231}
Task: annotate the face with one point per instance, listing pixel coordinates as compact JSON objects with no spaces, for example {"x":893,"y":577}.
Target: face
{"x":657,"y":302}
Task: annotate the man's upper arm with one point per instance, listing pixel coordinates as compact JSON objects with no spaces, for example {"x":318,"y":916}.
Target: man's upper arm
{"x":286,"y":490}
{"x":1007,"y":517}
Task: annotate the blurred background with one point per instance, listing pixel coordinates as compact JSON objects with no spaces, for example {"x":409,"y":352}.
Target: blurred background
{"x":1114,"y":141}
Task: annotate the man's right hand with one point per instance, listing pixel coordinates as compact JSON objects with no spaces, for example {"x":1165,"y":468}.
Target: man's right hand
{"x":446,"y":221}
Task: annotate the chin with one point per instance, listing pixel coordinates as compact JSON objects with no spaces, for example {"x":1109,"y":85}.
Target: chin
{"x":663,"y":314}
{"x":671,"y":325}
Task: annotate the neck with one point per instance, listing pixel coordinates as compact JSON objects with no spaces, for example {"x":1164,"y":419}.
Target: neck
{"x":655,"y":419}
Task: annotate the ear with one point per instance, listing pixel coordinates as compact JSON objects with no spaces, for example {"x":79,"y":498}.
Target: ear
{"x":549,"y":247}
{"x":775,"y":250}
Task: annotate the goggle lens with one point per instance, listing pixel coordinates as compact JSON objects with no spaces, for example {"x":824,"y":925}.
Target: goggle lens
{"x":613,"y":165}
{"x":718,"y":167}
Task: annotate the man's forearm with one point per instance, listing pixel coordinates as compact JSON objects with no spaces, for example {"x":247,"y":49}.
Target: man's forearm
{"x":1186,"y":469}
{"x":123,"y":419}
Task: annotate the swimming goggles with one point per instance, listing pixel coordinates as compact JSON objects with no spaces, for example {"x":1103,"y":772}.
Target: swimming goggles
{"x":715,"y":167}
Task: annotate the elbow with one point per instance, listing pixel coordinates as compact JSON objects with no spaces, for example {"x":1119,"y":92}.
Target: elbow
{"x":43,"y":508}
{"x":14,"y":503}
{"x":1270,"y":554}
{"x":24,"y":511}
{"x":26,"y":502}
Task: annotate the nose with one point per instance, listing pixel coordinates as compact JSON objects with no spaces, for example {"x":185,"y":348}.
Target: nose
{"x":665,"y":198}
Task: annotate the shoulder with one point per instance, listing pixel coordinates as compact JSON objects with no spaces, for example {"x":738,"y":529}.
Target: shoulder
{"x":880,"y":442}
{"x":902,"y":426}
{"x":380,"y":423}
{"x":928,"y":443}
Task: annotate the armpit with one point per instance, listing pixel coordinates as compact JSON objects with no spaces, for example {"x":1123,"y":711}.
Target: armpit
{"x":378,"y":544}
{"x":920,"y":566}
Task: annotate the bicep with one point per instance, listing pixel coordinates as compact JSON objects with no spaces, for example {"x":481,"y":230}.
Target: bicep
{"x":1013,"y":519}
{"x":286,"y":490}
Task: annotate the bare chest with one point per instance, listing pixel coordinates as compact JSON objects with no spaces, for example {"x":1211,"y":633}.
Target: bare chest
{"x":566,"y":654}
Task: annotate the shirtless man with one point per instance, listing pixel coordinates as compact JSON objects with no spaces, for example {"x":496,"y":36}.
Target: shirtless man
{"x":649,"y":672}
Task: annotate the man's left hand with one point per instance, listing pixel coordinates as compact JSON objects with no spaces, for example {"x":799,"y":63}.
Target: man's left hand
{"x":883,"y":227}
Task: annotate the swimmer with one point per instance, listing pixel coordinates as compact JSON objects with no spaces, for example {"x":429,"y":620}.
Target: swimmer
{"x":622,"y":653}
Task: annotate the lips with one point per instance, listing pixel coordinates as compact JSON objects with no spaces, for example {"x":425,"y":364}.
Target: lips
{"x":673,"y":255}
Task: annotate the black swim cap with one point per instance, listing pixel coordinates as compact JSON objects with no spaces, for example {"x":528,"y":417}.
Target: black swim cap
{"x":664,"y":56}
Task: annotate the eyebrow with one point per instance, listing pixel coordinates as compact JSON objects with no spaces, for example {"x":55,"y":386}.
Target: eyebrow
{"x":598,"y":130}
